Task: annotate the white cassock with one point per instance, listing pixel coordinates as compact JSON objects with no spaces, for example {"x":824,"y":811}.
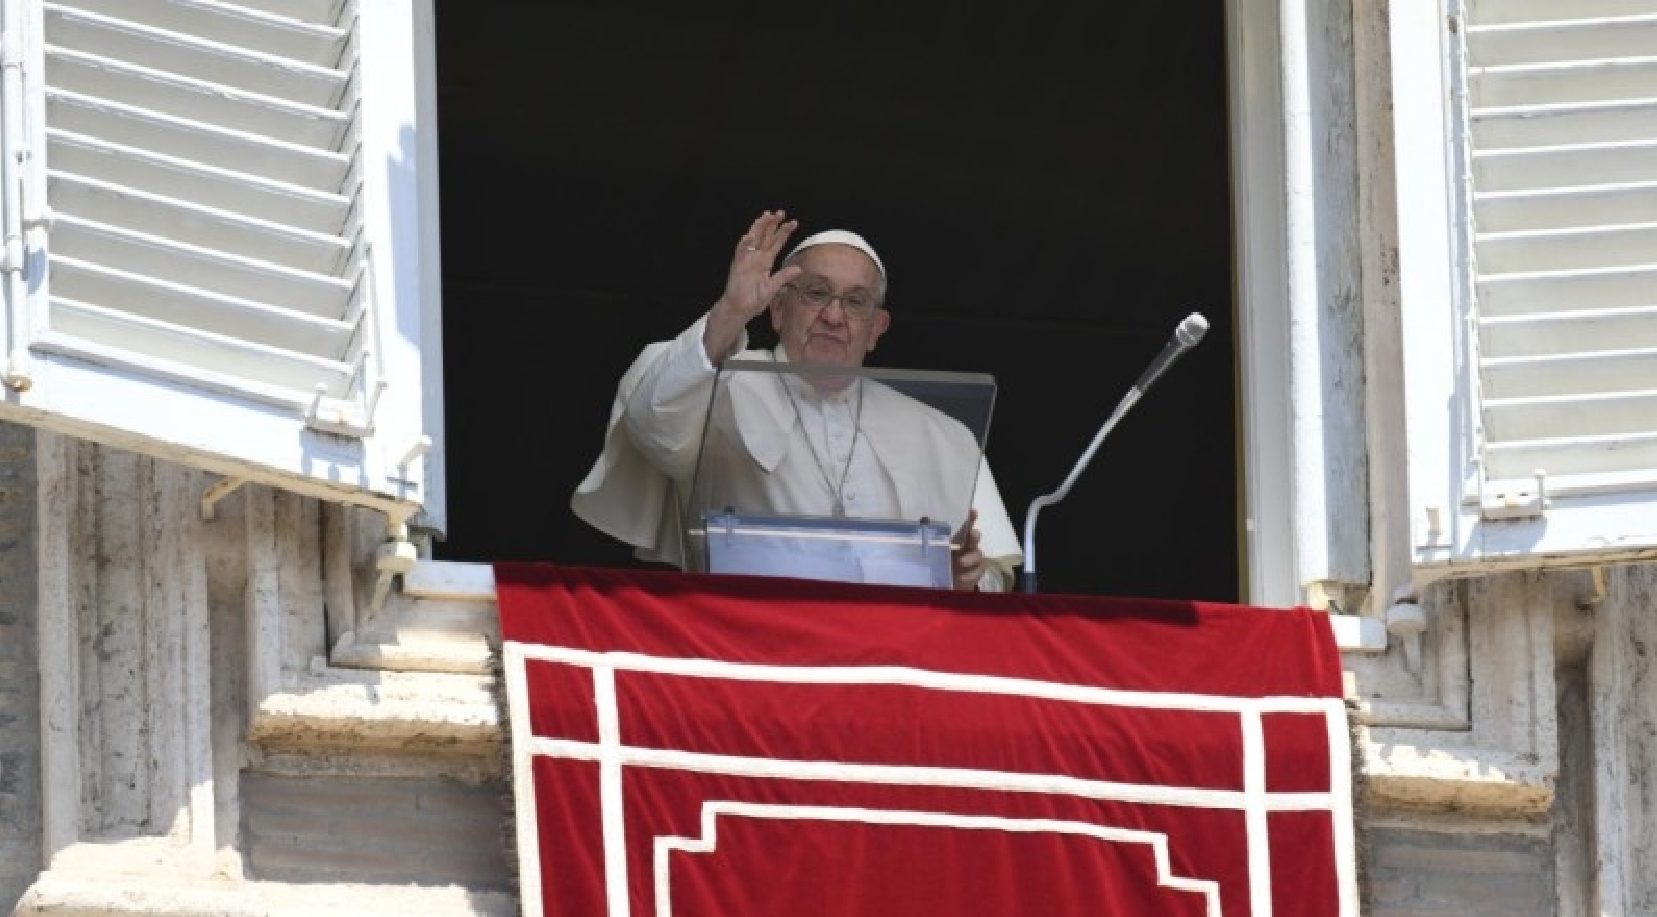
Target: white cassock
{"x":884,"y":454}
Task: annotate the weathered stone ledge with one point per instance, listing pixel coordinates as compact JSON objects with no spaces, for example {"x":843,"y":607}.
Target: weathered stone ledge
{"x":79,"y":893}
{"x":1476,"y":782}
{"x":402,"y":711}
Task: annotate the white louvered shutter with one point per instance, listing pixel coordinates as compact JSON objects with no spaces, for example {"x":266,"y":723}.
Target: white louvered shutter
{"x":1527,"y":145}
{"x":239,"y":268}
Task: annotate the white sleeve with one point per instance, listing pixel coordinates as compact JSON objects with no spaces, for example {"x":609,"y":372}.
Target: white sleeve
{"x":995,"y":579}
{"x":665,"y":412}
{"x":998,"y":539}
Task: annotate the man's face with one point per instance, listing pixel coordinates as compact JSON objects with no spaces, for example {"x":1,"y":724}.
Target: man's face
{"x":838,"y":332}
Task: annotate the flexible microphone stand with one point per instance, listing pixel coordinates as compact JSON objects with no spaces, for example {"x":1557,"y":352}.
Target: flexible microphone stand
{"x":1186,"y":336}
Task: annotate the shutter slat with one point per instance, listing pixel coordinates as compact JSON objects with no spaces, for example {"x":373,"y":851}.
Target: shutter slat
{"x":1565,"y":208}
{"x":1587,"y":372}
{"x":1555,"y":40}
{"x":1521,"y":127}
{"x":1629,"y":458}
{"x":1564,"y":82}
{"x":222,"y":230}
{"x":1564,"y":166}
{"x":256,"y":196}
{"x":195,"y":348}
{"x":232,"y":275}
{"x":321,"y":170}
{"x":1588,"y":247}
{"x":1571,"y":416}
{"x":1545,"y":333}
{"x":181,"y":304}
{"x":188,"y":55}
{"x":1530,"y":291}
{"x":321,"y":12}
{"x":230,"y":24}
{"x":185,"y":97}
{"x":1497,"y":12}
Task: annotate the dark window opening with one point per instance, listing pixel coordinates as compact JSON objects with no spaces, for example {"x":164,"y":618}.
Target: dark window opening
{"x":1049,"y":192}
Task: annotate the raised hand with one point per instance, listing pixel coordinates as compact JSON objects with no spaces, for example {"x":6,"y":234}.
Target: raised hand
{"x":750,"y":285}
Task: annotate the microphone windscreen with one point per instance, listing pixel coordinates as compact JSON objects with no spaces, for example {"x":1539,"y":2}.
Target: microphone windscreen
{"x":1192,"y":329}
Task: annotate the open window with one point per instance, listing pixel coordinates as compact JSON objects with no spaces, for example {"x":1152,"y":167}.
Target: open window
{"x":226,"y":214}
{"x":1048,"y":216}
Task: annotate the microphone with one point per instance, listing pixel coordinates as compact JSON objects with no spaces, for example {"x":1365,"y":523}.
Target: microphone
{"x":1186,"y":336}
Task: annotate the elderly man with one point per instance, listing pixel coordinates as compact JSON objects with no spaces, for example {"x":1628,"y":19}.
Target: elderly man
{"x":832,"y":450}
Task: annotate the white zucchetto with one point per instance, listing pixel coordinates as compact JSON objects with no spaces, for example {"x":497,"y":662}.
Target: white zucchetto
{"x":839,"y":237}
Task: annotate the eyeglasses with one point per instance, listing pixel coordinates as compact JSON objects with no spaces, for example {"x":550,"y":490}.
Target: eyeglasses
{"x":858,"y":304}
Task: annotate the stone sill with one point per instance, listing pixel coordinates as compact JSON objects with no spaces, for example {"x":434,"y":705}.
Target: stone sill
{"x":463,"y":654}
{"x":85,"y":892}
{"x":410,"y":712}
{"x":474,"y":582}
{"x":453,"y":580}
{"x":1483,"y":782}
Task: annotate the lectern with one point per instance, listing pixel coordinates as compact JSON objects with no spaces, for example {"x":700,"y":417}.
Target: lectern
{"x":824,"y":472}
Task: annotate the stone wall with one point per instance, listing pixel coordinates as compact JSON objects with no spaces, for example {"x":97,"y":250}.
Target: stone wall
{"x":1507,"y":772}
{"x":1417,"y":873}
{"x":19,"y":698}
{"x":379,"y":829}
{"x":227,"y":724}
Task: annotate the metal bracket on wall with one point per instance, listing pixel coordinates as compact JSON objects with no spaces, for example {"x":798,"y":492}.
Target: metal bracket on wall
{"x":1596,"y":590}
{"x":397,"y":556}
{"x":211,"y":497}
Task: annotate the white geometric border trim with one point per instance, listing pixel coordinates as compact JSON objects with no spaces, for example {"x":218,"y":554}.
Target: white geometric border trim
{"x":713,"y":809}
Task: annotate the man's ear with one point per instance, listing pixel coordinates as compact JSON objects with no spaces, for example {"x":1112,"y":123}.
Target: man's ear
{"x":775,"y":308}
{"x":882,"y":321}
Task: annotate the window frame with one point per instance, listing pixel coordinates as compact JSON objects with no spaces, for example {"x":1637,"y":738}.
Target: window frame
{"x":1306,"y":488}
{"x":1259,"y":179}
{"x":1261,"y":297}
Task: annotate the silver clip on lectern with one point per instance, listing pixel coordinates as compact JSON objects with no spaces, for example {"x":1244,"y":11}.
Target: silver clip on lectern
{"x":858,"y":475}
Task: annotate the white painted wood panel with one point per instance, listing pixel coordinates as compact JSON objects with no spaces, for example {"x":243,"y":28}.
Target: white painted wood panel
{"x":238,"y":192}
{"x":211,"y":85}
{"x":1575,"y":401}
{"x":1536,"y":435}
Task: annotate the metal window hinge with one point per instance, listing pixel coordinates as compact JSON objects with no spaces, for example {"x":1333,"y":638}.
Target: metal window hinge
{"x":224,"y":487}
{"x":403,"y":478}
{"x":1516,"y":502}
{"x":332,"y":416}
